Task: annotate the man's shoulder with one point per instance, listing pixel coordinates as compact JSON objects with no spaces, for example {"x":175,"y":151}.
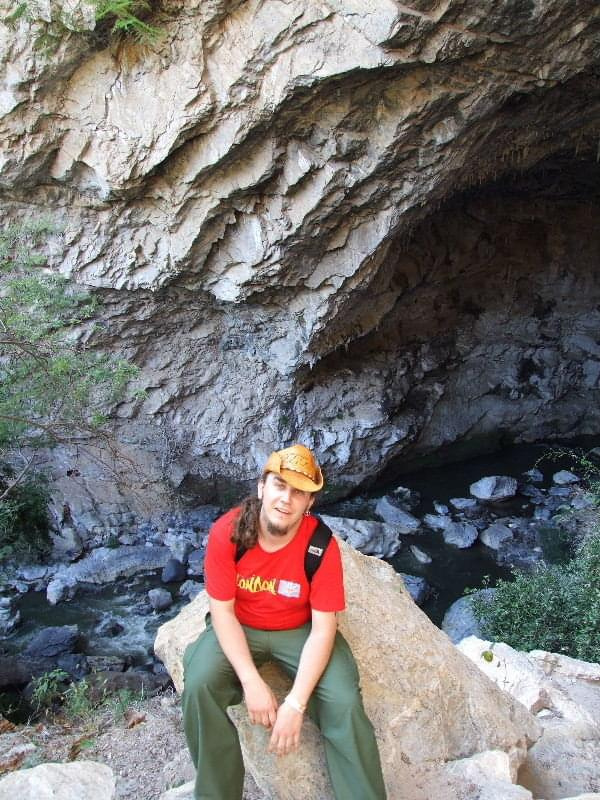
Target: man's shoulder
{"x":223,"y":525}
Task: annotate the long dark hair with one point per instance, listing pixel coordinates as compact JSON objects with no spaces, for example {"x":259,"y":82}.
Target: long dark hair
{"x":245,"y":528}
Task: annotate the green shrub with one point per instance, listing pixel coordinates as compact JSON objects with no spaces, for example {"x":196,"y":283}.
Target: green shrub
{"x":24,"y":524}
{"x":48,"y":690}
{"x":555,"y":608}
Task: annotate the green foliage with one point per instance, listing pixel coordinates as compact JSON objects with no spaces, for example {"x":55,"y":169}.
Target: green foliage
{"x":24,"y":520}
{"x":53,"y":388}
{"x":78,"y":702}
{"x":125,"y":17}
{"x":48,"y":690}
{"x":555,"y":608}
{"x":119,"y":17}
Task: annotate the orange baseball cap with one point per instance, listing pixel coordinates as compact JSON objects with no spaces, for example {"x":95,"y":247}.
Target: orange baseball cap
{"x":297,"y":466}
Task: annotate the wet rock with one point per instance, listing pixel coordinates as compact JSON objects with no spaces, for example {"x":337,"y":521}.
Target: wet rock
{"x":406,"y":497}
{"x":105,"y":565}
{"x":534,"y":475}
{"x":496,"y":535}
{"x":67,"y":544}
{"x":565,"y":478}
{"x":436,"y":522}
{"x":440,"y":508}
{"x":19,"y":670}
{"x":582,"y":500}
{"x":421,"y":556}
{"x":560,"y":491}
{"x":460,"y":534}
{"x":77,"y":780}
{"x":54,"y":641}
{"x":417,"y":587}
{"x":173,"y":571}
{"x":371,"y":538}
{"x":494,"y":487}
{"x":391,"y":513}
{"x":463,"y":503}
{"x":160,"y":599}
{"x":109,"y":627}
{"x":460,"y":621}
{"x":10,"y":617}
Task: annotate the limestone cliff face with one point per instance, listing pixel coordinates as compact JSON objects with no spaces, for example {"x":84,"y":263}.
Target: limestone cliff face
{"x":372,"y":227}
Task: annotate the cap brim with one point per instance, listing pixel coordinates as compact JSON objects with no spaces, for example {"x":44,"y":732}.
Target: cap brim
{"x":300,"y":481}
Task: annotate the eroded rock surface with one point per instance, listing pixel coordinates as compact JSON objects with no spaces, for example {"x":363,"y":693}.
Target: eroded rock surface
{"x":370,"y":227}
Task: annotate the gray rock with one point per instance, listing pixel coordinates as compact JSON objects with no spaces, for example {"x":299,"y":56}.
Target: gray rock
{"x":438,"y":522}
{"x":496,"y":535}
{"x":460,"y":621}
{"x":494,"y":487}
{"x":565,"y":478}
{"x":77,"y":780}
{"x":421,"y":556}
{"x":10,"y":618}
{"x":160,"y":599}
{"x":190,"y":589}
{"x":75,"y":664}
{"x":54,"y":641}
{"x":394,"y":515}
{"x":371,"y":538}
{"x":460,"y":534}
{"x":417,"y":587}
{"x":582,"y":500}
{"x":195,"y":565}
{"x":463,"y":503}
{"x":173,"y":571}
{"x":440,"y":508}
{"x":109,"y":627}
{"x":534,"y":475}
{"x":104,"y":565}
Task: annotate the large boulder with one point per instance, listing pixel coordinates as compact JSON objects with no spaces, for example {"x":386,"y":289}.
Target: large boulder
{"x":428,"y":703}
{"x":494,"y":487}
{"x":564,"y":693}
{"x":104,"y":565}
{"x":78,"y":780}
{"x":371,"y":538}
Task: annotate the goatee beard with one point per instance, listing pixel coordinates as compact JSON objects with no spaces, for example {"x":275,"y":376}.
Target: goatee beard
{"x":275,"y":530}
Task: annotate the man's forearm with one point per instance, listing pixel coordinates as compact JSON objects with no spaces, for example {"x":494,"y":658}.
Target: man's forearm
{"x":234,"y":644}
{"x":313,"y":660}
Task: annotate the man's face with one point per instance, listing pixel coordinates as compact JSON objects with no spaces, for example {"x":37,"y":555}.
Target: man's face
{"x":282,"y":505}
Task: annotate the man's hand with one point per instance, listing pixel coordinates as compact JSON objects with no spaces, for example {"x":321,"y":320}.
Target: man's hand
{"x":260,"y":702}
{"x":286,"y":731}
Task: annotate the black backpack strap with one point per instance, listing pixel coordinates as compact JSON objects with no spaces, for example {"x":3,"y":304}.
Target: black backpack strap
{"x":240,"y":549}
{"x":316,"y":549}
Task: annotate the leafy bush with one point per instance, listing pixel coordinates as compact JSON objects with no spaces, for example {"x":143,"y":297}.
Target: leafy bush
{"x":48,"y":690}
{"x":53,"y":387}
{"x":24,"y":521}
{"x":555,"y":608}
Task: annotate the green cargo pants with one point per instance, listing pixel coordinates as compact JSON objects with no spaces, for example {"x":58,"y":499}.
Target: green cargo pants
{"x":211,"y":685}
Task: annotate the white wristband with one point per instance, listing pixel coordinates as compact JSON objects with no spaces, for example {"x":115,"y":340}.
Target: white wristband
{"x":295,"y":704}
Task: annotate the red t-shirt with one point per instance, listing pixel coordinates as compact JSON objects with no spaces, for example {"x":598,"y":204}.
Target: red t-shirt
{"x":270,"y":589}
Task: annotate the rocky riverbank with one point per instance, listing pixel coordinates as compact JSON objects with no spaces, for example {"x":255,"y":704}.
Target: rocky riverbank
{"x":510,"y":516}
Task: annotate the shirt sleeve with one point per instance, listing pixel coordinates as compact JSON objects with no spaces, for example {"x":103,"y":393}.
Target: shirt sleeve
{"x":327,"y":586}
{"x":219,"y":563}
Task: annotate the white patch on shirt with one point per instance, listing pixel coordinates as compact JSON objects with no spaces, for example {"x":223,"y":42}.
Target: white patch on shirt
{"x":288,"y":588}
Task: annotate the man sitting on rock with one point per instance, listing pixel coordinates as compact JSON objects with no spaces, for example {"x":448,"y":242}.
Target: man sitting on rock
{"x":264,"y":607}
